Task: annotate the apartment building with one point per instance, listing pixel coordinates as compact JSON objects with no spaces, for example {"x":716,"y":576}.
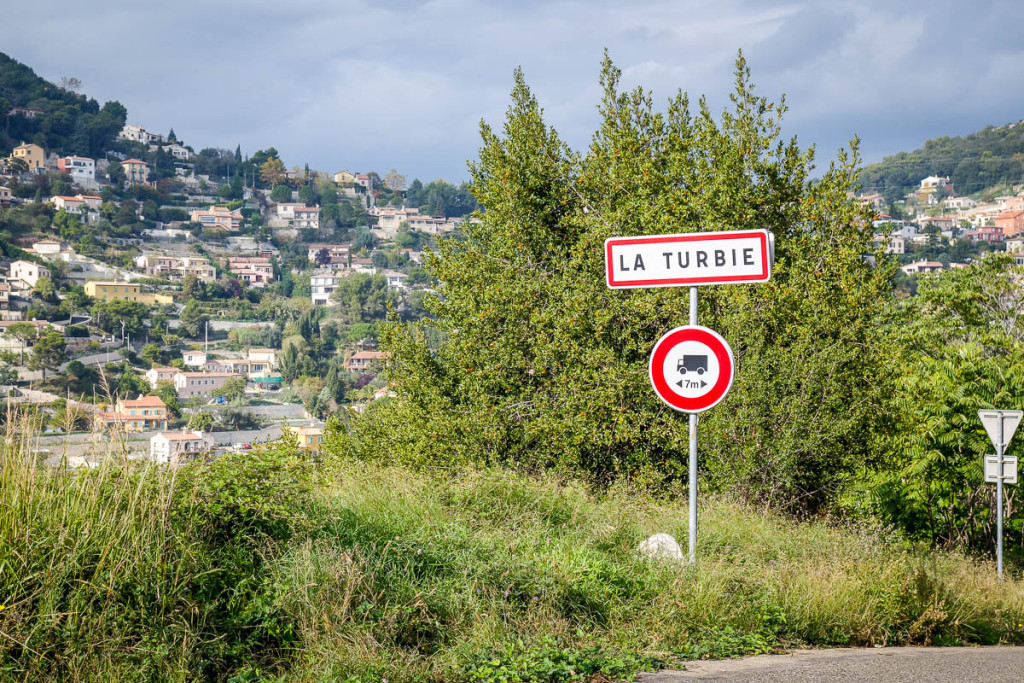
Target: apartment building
{"x":256,"y":270}
{"x":322,"y":284}
{"x":82,"y":170}
{"x":218,"y":218}
{"x":176,"y":267}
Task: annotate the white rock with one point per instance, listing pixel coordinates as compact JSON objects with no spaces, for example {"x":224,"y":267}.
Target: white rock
{"x":662,"y":547}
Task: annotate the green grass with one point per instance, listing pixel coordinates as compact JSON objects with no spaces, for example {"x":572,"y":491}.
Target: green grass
{"x":258,"y":567}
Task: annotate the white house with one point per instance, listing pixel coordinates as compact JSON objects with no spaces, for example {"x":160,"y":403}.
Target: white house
{"x":139,"y":134}
{"x":262,"y":361}
{"x":175,"y":447}
{"x":959,"y":203}
{"x":82,"y":170}
{"x":1015,"y":245}
{"x":322,"y":284}
{"x":396,"y":280}
{"x":921,"y":267}
{"x":194,"y":359}
{"x":299,"y":215}
{"x":28,"y":272}
{"x":159,"y":374}
{"x":85,"y":205}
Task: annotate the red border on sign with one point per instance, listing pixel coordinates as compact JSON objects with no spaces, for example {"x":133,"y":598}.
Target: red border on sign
{"x":718,"y":346}
{"x":763,"y":276}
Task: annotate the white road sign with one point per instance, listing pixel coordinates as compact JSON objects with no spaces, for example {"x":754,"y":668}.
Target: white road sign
{"x":1010,"y":418}
{"x":692,"y":368}
{"x":1009,"y":469}
{"x":696,"y":258}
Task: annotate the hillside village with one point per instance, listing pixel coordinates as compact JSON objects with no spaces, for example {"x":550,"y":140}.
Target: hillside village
{"x":196,"y":301}
{"x":203,"y":301}
{"x":933,"y":228}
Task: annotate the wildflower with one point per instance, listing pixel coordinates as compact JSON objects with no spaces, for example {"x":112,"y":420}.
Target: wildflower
{"x":535,"y":598}
{"x":419,"y":551}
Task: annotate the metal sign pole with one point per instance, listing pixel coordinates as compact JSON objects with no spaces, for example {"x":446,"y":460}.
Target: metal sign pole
{"x":693,"y":452}
{"x":1000,"y":448}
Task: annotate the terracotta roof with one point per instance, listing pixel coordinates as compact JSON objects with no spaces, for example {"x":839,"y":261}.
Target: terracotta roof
{"x":368,"y":355}
{"x":134,"y":161}
{"x":145,"y":402}
{"x":210,"y":374}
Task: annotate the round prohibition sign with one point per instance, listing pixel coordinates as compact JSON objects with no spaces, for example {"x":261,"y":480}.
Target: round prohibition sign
{"x":692,"y":368}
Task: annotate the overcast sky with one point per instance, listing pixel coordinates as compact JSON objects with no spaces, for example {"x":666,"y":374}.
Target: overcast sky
{"x":404,"y":84}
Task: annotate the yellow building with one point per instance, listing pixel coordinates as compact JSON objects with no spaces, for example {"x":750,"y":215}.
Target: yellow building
{"x":126,"y":291}
{"x":310,"y":438}
{"x":31,"y":154}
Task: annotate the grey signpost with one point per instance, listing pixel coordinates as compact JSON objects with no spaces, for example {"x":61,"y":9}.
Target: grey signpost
{"x":691,"y":260}
{"x":1000,"y":426}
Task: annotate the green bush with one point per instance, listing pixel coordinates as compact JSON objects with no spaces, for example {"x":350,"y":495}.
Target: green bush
{"x":542,"y":366}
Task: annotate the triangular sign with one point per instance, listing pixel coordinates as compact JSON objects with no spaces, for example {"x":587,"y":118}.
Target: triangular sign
{"x":1010,"y":419}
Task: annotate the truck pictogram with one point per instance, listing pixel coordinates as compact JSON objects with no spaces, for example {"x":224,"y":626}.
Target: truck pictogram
{"x":698,"y":364}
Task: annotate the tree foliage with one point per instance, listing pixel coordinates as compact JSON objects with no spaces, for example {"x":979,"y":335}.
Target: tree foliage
{"x":69,"y":123}
{"x":963,"y":350}
{"x":974,"y":162}
{"x":542,"y":365}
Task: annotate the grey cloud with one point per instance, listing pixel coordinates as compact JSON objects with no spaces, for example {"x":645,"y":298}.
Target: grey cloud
{"x":373,"y":86}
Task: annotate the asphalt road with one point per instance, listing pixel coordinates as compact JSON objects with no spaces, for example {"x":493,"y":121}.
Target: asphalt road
{"x":936,"y":665}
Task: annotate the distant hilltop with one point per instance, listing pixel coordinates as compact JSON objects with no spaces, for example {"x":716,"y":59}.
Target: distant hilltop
{"x":55,"y":117}
{"x":993,"y":156}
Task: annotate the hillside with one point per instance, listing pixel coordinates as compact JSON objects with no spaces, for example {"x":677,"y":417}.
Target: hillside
{"x":59,"y":119}
{"x":992,"y":156}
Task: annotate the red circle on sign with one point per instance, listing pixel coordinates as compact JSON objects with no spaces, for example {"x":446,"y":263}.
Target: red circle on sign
{"x":716,"y":344}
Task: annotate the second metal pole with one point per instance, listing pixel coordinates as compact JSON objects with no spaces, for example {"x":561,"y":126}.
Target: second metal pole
{"x":1000,"y":449}
{"x":693,"y":454}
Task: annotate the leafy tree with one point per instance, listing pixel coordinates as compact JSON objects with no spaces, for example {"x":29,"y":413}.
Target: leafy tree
{"x":48,"y":352}
{"x":192,"y":320}
{"x":79,"y":378}
{"x":963,"y":350}
{"x":395,"y":181}
{"x":8,"y":371}
{"x":307,"y":195}
{"x":363,"y":298}
{"x":45,"y":290}
{"x":233,"y":389}
{"x":169,"y":395}
{"x":27,"y":333}
{"x":273,"y":172}
{"x":542,"y":365}
{"x":151,"y":354}
{"x":131,"y":384}
{"x":200,"y":421}
{"x":322,"y":257}
{"x":281,"y":194}
{"x":116,"y":174}
{"x":192,"y":288}
{"x":108,"y":316}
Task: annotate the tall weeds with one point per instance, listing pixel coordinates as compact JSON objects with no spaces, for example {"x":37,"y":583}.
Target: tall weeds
{"x":256,"y":567}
